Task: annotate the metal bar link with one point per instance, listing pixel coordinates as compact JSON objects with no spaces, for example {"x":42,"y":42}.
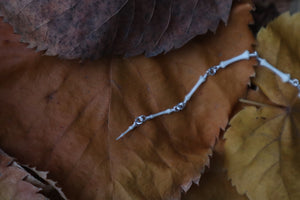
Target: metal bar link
{"x":285,"y":77}
{"x":211,"y":72}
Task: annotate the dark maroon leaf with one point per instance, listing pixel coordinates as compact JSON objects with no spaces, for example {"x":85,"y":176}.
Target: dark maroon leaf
{"x":93,"y":28}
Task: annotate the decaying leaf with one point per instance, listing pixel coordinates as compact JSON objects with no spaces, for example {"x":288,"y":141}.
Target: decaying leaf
{"x":262,"y":147}
{"x":64,"y":117}
{"x":16,"y":183}
{"x":214,"y":184}
{"x":47,"y":187}
{"x":90,"y":29}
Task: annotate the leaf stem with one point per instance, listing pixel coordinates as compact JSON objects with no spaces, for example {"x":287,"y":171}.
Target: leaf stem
{"x":246,"y":101}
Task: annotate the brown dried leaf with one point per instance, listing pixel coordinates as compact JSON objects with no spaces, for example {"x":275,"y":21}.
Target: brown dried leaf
{"x":64,"y":117}
{"x":13,"y":184}
{"x":262,"y":147}
{"x":90,"y":29}
{"x":47,"y":187}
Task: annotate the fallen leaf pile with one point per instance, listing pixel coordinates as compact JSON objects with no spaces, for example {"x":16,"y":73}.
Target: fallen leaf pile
{"x":63,"y":116}
{"x":91,"y":29}
{"x":263,"y":144}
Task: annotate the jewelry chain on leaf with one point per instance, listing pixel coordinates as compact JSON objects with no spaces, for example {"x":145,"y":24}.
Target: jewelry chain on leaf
{"x":211,"y":72}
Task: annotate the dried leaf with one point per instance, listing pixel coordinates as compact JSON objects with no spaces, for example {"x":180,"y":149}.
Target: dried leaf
{"x":214,"y":184}
{"x":64,"y":117}
{"x":47,"y":187}
{"x":13,"y":184}
{"x":281,"y":5}
{"x":90,"y":29}
{"x":266,"y":10}
{"x":263,"y":144}
{"x":263,"y":14}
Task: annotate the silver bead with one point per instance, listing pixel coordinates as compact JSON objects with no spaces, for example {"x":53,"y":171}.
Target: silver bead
{"x":212,"y":71}
{"x":179,"y":107}
{"x":294,"y":82}
{"x":140,"y":120}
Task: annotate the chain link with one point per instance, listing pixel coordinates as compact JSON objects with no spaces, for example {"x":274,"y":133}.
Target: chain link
{"x":211,"y":72}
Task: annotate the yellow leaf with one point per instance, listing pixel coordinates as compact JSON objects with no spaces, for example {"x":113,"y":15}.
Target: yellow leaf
{"x":263,"y":144}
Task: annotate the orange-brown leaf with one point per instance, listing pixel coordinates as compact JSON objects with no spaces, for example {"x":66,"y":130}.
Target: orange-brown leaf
{"x":263,"y":144}
{"x":64,"y":116}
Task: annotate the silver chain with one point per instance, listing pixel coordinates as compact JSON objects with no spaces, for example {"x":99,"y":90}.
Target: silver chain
{"x":211,"y":72}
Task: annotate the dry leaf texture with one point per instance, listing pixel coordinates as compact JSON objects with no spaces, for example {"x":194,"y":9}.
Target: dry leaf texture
{"x":90,"y":29}
{"x":12,"y":183}
{"x":214,"y":184}
{"x":263,"y":144}
{"x":64,"y":116}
